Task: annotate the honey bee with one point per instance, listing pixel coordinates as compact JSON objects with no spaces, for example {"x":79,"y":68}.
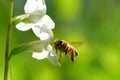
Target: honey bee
{"x":64,"y":47}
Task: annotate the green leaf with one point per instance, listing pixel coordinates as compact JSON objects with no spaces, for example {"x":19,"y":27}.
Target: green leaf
{"x":20,"y":18}
{"x":36,"y":46}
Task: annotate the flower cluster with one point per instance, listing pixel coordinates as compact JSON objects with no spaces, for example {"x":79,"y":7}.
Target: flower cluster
{"x":41,"y":25}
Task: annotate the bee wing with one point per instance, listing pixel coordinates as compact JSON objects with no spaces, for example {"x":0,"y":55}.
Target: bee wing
{"x":77,"y":44}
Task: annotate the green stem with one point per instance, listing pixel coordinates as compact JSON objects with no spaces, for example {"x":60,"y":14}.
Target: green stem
{"x":8,"y":40}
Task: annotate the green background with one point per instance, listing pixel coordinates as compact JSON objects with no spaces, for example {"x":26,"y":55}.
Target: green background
{"x":96,"y":22}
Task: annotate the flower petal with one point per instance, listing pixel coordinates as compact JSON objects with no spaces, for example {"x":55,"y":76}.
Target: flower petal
{"x":42,"y":32}
{"x":41,"y":55}
{"x":44,"y":36}
{"x":39,"y":33}
{"x":47,"y":21}
{"x":53,"y":59}
{"x":36,"y":30}
{"x":45,"y":29}
{"x":32,"y":6}
{"x":49,"y":48}
{"x":23,"y":26}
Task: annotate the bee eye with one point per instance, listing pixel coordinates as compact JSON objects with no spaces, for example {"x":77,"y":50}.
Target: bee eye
{"x":60,"y":42}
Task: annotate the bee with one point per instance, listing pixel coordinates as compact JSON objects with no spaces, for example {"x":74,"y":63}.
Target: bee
{"x":65,"y":47}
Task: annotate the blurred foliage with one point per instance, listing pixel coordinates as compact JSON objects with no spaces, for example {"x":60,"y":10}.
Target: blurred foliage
{"x":97,"y":22}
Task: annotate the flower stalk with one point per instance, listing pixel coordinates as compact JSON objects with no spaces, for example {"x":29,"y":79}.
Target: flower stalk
{"x":8,"y":40}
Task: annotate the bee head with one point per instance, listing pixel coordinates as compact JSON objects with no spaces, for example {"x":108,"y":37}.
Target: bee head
{"x":58,"y":42}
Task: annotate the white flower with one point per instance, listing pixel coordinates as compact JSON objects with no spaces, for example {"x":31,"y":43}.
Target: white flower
{"x":42,"y":25}
{"x":38,"y":21}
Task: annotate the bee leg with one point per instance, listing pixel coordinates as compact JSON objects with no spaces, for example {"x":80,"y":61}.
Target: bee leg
{"x":56,"y":51}
{"x":60,"y":60}
{"x":72,"y":56}
{"x":65,"y":53}
{"x":66,"y":50}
